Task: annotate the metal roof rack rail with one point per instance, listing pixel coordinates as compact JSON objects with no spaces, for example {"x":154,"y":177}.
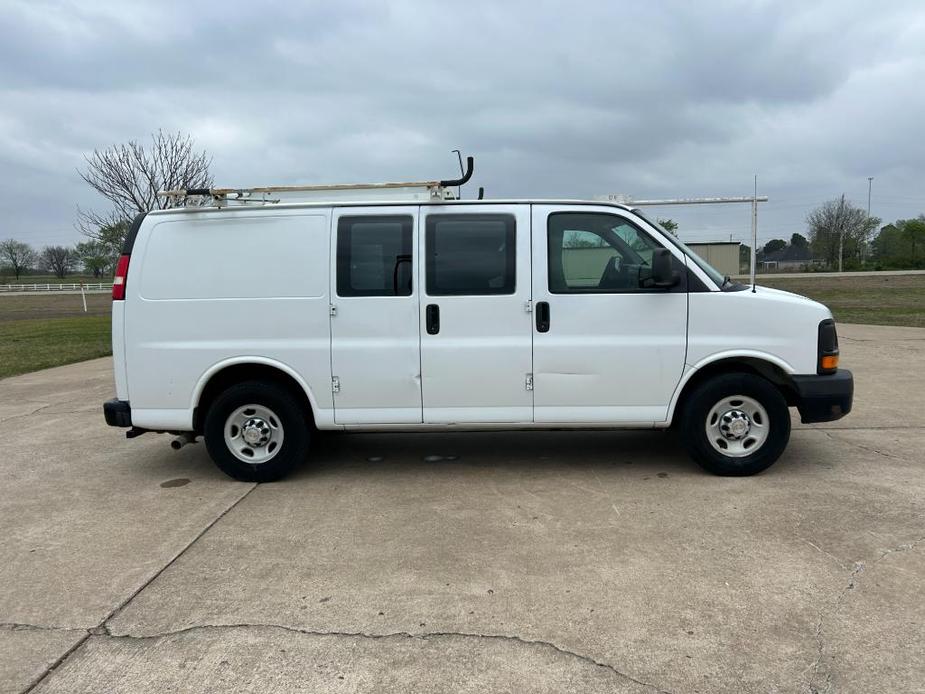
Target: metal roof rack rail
{"x":414,"y":191}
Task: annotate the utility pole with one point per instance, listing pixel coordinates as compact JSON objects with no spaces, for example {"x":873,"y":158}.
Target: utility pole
{"x":754,"y":232}
{"x":841,"y":247}
{"x":870,"y":183}
{"x":841,"y":232}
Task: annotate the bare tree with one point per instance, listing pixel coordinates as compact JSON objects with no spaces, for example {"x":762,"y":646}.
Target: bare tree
{"x":130,"y":175}
{"x":839,"y":230}
{"x":18,"y":255}
{"x":58,"y":260}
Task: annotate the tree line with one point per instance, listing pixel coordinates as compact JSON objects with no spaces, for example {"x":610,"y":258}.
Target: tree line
{"x":843,"y":236}
{"x":92,"y":257}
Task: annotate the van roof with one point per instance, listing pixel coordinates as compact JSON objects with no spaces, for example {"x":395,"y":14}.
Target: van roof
{"x":268,"y":206}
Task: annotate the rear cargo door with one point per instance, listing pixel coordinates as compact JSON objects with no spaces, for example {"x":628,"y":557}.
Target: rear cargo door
{"x":375,"y":339}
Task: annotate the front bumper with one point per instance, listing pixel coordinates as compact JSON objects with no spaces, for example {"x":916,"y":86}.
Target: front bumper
{"x":118,"y":413}
{"x":824,"y":398}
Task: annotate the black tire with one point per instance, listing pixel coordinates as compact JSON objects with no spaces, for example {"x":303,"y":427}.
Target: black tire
{"x":293,"y":449}
{"x":697,"y":409}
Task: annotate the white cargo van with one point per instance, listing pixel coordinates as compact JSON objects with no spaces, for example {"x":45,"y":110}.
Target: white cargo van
{"x":272,"y":313}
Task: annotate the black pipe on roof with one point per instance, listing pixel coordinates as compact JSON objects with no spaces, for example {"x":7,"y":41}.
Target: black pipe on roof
{"x":465,"y":178}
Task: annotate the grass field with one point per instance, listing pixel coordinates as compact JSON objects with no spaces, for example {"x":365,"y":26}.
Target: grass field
{"x":883,"y":300}
{"x":40,"y":331}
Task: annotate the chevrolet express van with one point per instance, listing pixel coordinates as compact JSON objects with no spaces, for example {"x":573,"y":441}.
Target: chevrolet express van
{"x":269,"y":314}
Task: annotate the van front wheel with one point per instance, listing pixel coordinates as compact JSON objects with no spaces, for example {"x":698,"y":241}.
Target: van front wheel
{"x":256,"y":432}
{"x":736,"y":424}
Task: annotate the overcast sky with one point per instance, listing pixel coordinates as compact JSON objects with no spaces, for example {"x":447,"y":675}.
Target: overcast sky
{"x":576,"y":99}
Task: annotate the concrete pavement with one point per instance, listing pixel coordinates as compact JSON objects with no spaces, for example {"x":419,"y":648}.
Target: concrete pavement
{"x":527,"y":562}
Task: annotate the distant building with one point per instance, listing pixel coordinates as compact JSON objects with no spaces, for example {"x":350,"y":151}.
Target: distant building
{"x":789,"y":259}
{"x":723,"y":255}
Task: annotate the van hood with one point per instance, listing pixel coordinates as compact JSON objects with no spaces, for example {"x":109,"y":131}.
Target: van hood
{"x":779,"y":292}
{"x":769,"y":293}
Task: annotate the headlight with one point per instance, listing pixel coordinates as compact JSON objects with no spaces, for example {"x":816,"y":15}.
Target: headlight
{"x":827,"y":348}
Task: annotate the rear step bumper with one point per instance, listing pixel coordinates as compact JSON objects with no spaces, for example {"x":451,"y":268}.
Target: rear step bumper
{"x":118,"y":413}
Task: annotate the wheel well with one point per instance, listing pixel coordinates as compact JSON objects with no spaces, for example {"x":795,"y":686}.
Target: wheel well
{"x":759,"y":367}
{"x":238,"y":373}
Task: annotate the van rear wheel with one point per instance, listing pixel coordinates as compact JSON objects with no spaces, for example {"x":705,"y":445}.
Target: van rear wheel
{"x":256,"y":432}
{"x":736,"y":424}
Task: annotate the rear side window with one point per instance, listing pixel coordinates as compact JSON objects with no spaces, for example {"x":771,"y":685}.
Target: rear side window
{"x":374,"y":256}
{"x":470,"y":254}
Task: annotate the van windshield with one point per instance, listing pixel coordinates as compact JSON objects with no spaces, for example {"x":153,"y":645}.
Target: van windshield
{"x":714,"y":274}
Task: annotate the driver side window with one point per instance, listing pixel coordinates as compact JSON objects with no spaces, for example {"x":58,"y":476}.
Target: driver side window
{"x":596,"y":253}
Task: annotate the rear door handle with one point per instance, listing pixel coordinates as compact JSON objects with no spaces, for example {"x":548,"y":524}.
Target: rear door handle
{"x":432,"y":317}
{"x":542,"y":317}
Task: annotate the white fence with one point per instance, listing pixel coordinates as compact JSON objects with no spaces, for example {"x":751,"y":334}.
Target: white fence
{"x":52,"y":287}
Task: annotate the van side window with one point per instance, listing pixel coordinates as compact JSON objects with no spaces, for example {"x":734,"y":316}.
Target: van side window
{"x":374,"y":256}
{"x":470,"y":254}
{"x":596,"y":253}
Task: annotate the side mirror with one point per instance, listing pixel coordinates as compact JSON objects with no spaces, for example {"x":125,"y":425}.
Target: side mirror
{"x":661,"y":275}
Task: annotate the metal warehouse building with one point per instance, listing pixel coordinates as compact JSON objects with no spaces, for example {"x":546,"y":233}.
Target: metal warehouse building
{"x":723,"y":255}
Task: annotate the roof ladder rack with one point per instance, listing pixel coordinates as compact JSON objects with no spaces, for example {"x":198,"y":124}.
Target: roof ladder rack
{"x":412,"y":191}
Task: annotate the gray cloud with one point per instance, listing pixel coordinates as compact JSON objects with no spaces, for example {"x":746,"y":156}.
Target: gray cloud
{"x":650,"y":99}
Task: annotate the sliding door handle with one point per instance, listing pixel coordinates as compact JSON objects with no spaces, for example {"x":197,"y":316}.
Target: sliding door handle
{"x":432,"y":318}
{"x":542,"y":317}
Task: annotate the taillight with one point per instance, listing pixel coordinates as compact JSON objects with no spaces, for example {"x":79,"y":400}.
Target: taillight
{"x":118,"y":282}
{"x":827,"y":348}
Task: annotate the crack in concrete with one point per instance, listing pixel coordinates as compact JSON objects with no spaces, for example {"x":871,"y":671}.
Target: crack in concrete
{"x":119,"y":608}
{"x":817,"y":664}
{"x":86,"y":410}
{"x":853,"y":578}
{"x":398,"y":635}
{"x":102,"y":629}
{"x":905,"y":547}
{"x":26,"y":414}
{"x":22,"y":626}
{"x":828,"y":432}
{"x":819,"y":549}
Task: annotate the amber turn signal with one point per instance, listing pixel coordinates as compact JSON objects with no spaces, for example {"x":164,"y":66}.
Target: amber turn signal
{"x":829,"y":362}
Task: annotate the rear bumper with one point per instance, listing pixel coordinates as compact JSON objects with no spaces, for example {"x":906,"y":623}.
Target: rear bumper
{"x":824,"y":398}
{"x":118,"y":413}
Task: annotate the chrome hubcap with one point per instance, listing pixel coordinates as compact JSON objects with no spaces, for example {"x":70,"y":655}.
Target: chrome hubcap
{"x":253,"y":433}
{"x":734,"y":424}
{"x":737,"y":426}
{"x":256,"y":432}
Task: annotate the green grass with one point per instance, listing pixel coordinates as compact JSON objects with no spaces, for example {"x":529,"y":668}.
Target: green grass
{"x":44,"y":330}
{"x":884,"y":300}
{"x":40,"y":343}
